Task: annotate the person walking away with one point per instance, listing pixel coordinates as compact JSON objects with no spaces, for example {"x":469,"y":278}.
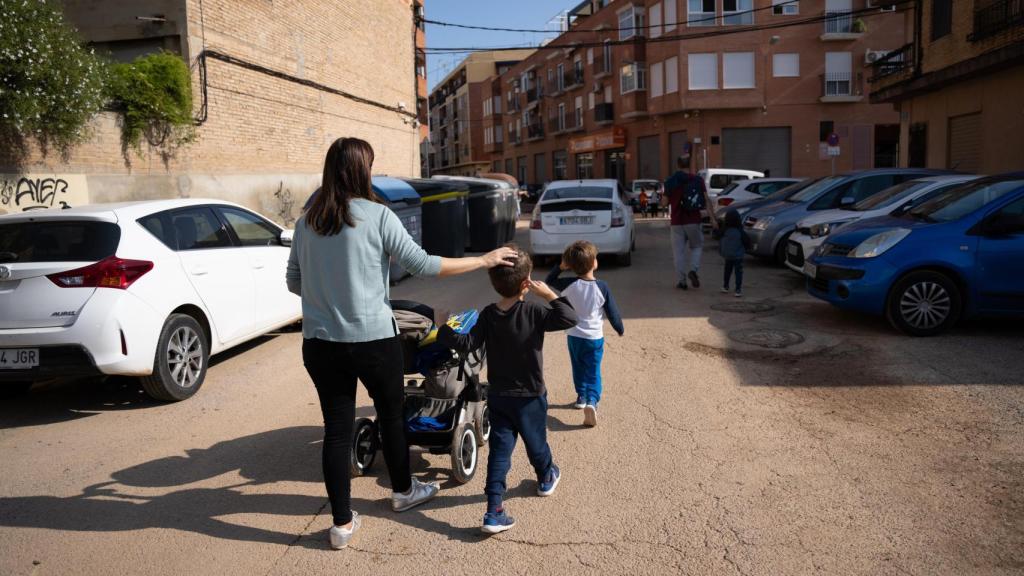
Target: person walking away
{"x":339,"y":265}
{"x":512,"y":330}
{"x":685,"y":197}
{"x":733,"y":246}
{"x":592,"y":300}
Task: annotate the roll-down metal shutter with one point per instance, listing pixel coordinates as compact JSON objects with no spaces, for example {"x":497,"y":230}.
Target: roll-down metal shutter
{"x":757,"y":149}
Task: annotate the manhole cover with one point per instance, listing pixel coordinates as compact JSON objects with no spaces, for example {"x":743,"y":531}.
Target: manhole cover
{"x":766,"y":337}
{"x":743,"y":307}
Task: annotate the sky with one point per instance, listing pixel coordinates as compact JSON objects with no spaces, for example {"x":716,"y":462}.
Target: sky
{"x":516,"y":14}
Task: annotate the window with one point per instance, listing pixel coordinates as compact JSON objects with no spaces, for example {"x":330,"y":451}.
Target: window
{"x":703,"y":71}
{"x":1008,"y":221}
{"x":737,"y":12}
{"x":656,"y":19}
{"x":69,"y":240}
{"x":738,"y":70}
{"x":785,"y":7}
{"x":960,"y":201}
{"x":942,"y":18}
{"x":700,"y":12}
{"x":607,"y":56}
{"x":631,"y":21}
{"x":657,"y":83}
{"x":561,"y":116}
{"x":590,"y":101}
{"x":632,"y":78}
{"x":590,"y":56}
{"x":670,"y":15}
{"x":672,"y":75}
{"x":558,"y":164}
{"x":508,"y":166}
{"x":579,"y":112}
{"x":198,"y":229}
{"x":250,"y":229}
{"x":497,"y":105}
{"x":838,"y":73}
{"x":585,"y":165}
{"x":786,"y":65}
{"x":499,"y":134}
{"x":561,"y":77}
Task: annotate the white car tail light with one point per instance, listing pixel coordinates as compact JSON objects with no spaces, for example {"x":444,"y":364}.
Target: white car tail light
{"x":618,"y":218}
{"x":112,"y":272}
{"x":535,"y":223}
{"x":724,"y":201}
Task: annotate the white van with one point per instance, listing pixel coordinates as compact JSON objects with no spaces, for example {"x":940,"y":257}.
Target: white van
{"x":715,"y":179}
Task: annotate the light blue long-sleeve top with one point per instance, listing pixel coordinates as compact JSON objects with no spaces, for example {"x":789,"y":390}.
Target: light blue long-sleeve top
{"x":343,"y":279}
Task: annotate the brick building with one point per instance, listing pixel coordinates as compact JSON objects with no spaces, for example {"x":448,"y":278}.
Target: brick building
{"x":272,"y":87}
{"x":958,"y":84}
{"x":456,"y":113}
{"x":620,"y":93}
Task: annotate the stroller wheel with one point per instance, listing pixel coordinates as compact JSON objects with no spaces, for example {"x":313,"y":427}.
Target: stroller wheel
{"x":482,"y":424}
{"x":364,"y":446}
{"x":464,"y":454}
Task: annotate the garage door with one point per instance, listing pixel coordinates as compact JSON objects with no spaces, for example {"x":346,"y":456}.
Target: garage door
{"x":649,"y":158}
{"x":965,"y":143}
{"x":757,"y":149}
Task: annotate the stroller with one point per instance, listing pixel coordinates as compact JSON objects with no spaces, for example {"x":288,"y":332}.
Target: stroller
{"x":445,"y":401}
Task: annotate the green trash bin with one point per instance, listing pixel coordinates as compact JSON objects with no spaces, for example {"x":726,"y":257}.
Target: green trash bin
{"x":444,"y":215}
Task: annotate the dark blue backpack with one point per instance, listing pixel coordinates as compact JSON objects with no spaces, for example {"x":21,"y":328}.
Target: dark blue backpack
{"x":692,"y":197}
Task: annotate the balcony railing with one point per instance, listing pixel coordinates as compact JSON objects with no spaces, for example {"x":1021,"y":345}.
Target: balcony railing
{"x":837,"y":84}
{"x":604,"y":112}
{"x":602,"y":66}
{"x":838,"y":22}
{"x":516,"y":137}
{"x":535,"y":131}
{"x":995,"y":17}
{"x":556,"y":125}
{"x":532,"y":94}
{"x":895,"y":62}
{"x":573,"y":79}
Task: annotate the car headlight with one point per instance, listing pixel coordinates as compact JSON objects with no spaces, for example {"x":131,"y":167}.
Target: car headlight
{"x":879,"y":243}
{"x":764,"y":223}
{"x":826,"y":228}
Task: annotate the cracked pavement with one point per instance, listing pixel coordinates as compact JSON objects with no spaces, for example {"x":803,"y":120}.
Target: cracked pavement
{"x":857,"y":451}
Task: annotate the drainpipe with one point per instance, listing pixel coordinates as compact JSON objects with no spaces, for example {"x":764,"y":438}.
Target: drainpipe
{"x":918,"y":41}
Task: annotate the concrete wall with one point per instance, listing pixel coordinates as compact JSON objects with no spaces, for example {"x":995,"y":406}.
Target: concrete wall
{"x":261,"y":131}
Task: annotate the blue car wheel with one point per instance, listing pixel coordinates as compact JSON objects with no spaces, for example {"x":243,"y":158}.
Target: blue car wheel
{"x":924,"y":303}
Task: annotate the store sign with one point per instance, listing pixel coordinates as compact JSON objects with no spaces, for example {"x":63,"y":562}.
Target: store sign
{"x":614,"y":138}
{"x":23,"y":192}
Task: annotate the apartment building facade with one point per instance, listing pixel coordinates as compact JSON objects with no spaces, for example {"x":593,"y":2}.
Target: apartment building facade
{"x":273,"y":85}
{"x":632,"y":82}
{"x":958,"y":84}
{"x":457,"y":107}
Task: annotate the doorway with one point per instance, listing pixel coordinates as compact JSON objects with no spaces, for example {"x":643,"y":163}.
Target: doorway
{"x":615,"y":165}
{"x":887,"y":145}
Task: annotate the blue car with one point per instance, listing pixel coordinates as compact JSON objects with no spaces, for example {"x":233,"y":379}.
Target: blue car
{"x":960,"y":253}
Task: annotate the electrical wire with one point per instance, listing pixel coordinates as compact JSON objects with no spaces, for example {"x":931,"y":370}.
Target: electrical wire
{"x":865,"y":12}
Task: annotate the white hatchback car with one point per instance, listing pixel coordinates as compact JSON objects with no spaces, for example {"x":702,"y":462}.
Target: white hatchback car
{"x":716,"y":179}
{"x":593,"y":210}
{"x":749,"y":189}
{"x":812,"y":231}
{"x":147,"y":289}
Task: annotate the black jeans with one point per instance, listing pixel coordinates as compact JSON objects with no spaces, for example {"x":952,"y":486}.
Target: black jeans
{"x":334,"y":368}
{"x":736,"y":265}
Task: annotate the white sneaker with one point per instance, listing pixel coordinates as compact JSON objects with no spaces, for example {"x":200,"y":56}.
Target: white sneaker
{"x":340,"y":536}
{"x":418,"y":493}
{"x":590,"y":415}
{"x":580,"y":403}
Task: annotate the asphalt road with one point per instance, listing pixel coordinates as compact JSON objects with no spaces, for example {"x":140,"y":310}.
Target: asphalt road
{"x":852,"y":451}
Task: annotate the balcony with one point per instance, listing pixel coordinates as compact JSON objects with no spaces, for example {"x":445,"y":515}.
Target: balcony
{"x":574,"y":79}
{"x":840,"y":25}
{"x":602,"y":66}
{"x":840,"y":87}
{"x":604,"y":113}
{"x":996,"y":17}
{"x":532,"y":95}
{"x":492,"y":147}
{"x":556,"y":126}
{"x":893,"y":66}
{"x":515,"y":137}
{"x":535,"y":131}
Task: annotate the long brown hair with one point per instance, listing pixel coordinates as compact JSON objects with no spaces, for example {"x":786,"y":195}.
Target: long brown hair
{"x":346,"y":176}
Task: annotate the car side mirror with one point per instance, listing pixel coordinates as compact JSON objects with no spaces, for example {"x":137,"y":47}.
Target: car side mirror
{"x":286,"y":236}
{"x":847,"y":201}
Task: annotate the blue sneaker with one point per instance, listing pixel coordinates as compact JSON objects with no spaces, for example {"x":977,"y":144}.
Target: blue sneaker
{"x":580,"y":403}
{"x":497,"y":522}
{"x":546,"y":486}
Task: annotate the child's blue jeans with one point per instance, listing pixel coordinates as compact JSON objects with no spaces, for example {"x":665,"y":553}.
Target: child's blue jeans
{"x":512,"y":417}
{"x":586,"y":357}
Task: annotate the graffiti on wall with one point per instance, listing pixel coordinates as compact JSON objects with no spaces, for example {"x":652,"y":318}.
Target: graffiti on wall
{"x":23,"y":192}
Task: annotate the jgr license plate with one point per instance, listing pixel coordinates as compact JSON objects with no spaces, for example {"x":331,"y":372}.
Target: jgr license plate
{"x":810,"y":270}
{"x":576,"y":220}
{"x":18,"y":358}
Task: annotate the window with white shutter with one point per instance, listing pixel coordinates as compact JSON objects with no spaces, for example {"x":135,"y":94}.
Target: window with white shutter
{"x":657,"y":85}
{"x":738,"y":70}
{"x":703,"y":71}
{"x":672,"y":75}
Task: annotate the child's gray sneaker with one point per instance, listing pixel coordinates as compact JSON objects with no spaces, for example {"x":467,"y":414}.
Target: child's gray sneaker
{"x":590,"y":415}
{"x":340,"y":536}
{"x":418,"y":493}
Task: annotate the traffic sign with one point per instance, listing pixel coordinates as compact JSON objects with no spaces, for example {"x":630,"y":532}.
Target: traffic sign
{"x":833,"y":139}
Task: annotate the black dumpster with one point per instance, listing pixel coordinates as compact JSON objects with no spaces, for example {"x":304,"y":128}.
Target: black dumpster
{"x":511,"y":201}
{"x":488,"y":212}
{"x":444,"y":215}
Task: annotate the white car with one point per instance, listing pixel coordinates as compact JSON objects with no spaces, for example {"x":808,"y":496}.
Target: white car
{"x":750,"y":189}
{"x":812,"y":231}
{"x":594,"y":210}
{"x":716,"y":179}
{"x":148,"y":289}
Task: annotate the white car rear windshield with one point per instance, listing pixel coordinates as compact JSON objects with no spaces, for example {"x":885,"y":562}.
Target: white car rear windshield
{"x":577,"y":192}
{"x":58,"y":241}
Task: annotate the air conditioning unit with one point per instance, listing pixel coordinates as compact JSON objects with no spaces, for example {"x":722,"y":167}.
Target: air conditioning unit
{"x":882,"y":5}
{"x":872,"y":56}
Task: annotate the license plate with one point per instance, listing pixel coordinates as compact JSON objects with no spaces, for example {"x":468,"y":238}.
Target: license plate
{"x":810,"y":270}
{"x":792,"y":249}
{"x":576,"y":220}
{"x":19,"y":358}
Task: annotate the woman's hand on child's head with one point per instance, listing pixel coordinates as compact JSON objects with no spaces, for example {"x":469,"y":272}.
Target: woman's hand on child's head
{"x":503,"y":256}
{"x":542,"y":290}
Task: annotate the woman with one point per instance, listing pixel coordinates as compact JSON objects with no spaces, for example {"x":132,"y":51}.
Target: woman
{"x":339,"y":266}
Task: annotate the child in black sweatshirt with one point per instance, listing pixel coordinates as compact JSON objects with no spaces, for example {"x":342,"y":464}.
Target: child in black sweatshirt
{"x":513,"y":331}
